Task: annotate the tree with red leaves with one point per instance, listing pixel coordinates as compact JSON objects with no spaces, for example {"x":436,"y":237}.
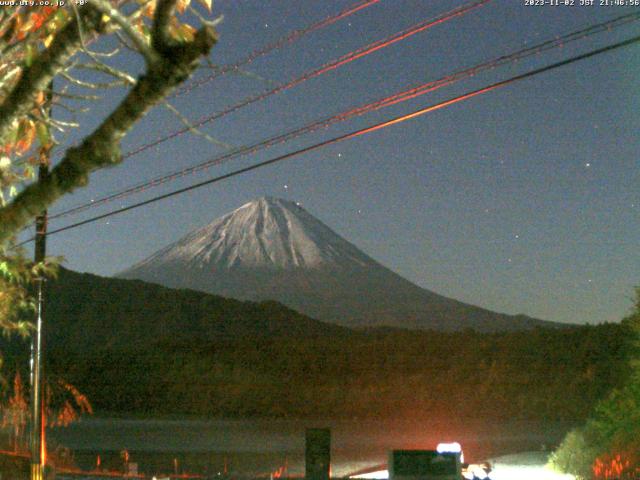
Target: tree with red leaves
{"x":48,"y":56}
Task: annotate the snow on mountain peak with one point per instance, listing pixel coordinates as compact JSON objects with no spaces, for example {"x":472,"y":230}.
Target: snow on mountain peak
{"x":266,"y":233}
{"x":273,"y":249}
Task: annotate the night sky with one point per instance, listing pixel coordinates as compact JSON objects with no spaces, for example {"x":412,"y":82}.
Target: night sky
{"x":522,"y":200}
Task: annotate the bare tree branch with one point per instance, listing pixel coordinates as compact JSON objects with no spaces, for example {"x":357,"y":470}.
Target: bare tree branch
{"x":249,"y":74}
{"x":161,"y":19}
{"x":8,"y":76}
{"x":185,"y":121}
{"x":138,"y":40}
{"x":6,"y":24}
{"x":174,"y":63}
{"x":71,"y":110}
{"x":61,"y":124}
{"x":112,"y":53}
{"x":211,"y":23}
{"x":45,"y":66}
{"x":93,"y":85}
{"x":123,"y":42}
{"x":74,"y":96}
{"x":106,"y":69}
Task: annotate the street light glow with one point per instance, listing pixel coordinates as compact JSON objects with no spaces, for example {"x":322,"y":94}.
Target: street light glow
{"x":527,"y":472}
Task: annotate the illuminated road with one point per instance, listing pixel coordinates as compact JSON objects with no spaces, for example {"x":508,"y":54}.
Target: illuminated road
{"x":524,"y":466}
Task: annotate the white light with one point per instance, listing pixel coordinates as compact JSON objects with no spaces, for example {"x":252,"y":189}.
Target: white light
{"x":526,"y":472}
{"x":380,"y":474}
{"x":472,"y":474}
{"x":453,"y":447}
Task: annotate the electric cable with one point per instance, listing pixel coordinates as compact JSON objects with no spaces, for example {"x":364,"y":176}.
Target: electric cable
{"x":361,"y":110}
{"x":356,"y":133}
{"x":345,"y":59}
{"x":287,"y":39}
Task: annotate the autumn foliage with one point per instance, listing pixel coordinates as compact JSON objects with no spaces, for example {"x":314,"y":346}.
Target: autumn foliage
{"x":55,"y":63}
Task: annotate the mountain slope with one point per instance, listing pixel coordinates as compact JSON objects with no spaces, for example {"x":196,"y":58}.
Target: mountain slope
{"x":132,"y":347}
{"x":86,"y":312}
{"x":274,"y":249}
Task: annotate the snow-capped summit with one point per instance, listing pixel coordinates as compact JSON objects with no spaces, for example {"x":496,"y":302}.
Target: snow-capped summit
{"x":273,"y":249}
{"x":265,"y":233}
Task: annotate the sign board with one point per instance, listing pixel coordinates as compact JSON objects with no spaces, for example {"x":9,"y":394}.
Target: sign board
{"x":424,"y":465}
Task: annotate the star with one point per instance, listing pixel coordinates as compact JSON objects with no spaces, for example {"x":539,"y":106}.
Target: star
{"x":587,"y":165}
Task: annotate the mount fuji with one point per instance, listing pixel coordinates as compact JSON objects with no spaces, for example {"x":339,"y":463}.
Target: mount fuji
{"x":273,"y":249}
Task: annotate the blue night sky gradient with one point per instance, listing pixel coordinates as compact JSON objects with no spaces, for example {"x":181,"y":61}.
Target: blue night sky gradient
{"x":522,"y":200}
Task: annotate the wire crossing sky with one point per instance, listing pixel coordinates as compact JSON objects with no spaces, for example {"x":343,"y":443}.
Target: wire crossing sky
{"x":523,"y":200}
{"x":344,"y":60}
{"x":387,"y":101}
{"x":362,"y":131}
{"x":287,"y":39}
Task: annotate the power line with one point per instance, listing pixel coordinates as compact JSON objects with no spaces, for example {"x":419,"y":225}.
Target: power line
{"x":489,"y":88}
{"x":345,"y":59}
{"x":287,"y":39}
{"x":363,"y":51}
{"x":353,"y":134}
{"x":361,"y":110}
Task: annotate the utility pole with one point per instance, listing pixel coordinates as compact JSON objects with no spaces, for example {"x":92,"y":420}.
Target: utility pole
{"x":37,"y":442}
